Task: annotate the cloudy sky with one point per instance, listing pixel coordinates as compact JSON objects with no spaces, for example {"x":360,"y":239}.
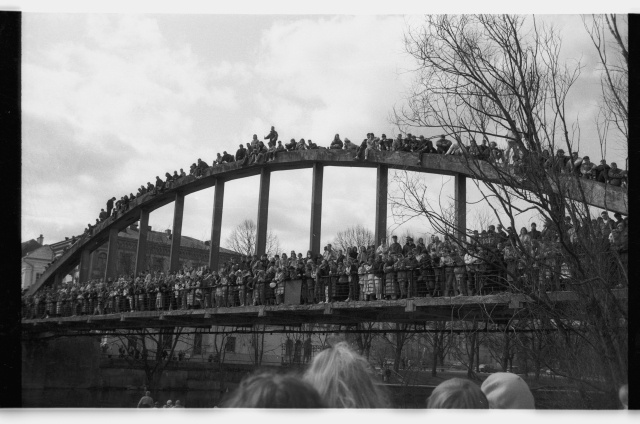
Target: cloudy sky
{"x":112,"y":100}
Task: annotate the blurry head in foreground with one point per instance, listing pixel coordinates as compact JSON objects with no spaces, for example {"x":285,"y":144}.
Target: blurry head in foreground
{"x":344,"y":379}
{"x":505,"y":390}
{"x":623,"y":394}
{"x":457,"y":393}
{"x":268,"y":390}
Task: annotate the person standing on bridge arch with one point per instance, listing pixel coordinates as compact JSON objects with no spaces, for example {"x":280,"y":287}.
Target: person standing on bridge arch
{"x":110,"y":205}
{"x":272,"y":136}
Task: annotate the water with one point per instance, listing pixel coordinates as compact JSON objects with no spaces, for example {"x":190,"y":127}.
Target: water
{"x":112,"y":398}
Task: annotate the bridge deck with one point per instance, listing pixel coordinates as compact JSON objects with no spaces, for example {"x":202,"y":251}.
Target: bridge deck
{"x":496,"y":307}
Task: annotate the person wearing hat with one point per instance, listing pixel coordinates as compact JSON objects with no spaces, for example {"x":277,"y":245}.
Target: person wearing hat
{"x":394,"y":247}
{"x":505,"y":390}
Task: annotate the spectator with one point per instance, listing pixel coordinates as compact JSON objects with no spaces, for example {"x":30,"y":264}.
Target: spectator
{"x":272,"y":136}
{"x":443,"y":144}
{"x":623,"y":395}
{"x":169,"y":404}
{"x":241,"y":153}
{"x":586,"y":168}
{"x":457,"y":393}
{"x":270,"y":390}
{"x":615,"y":176}
{"x":601,"y":171}
{"x":507,"y":391}
{"x":344,"y":379}
{"x":146,"y":401}
{"x":336,"y":143}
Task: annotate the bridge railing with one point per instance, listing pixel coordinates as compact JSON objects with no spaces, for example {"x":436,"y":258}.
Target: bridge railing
{"x":428,"y":281}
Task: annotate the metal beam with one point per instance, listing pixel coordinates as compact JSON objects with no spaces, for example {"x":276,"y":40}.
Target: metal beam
{"x":460,"y":199}
{"x":316,"y":209}
{"x":141,"y":251}
{"x":216,"y":225}
{"x":263,"y":212}
{"x":176,"y":233}
{"x":112,"y":254}
{"x":381,"y":203}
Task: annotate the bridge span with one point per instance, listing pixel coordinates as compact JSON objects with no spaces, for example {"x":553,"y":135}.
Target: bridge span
{"x":597,"y":194}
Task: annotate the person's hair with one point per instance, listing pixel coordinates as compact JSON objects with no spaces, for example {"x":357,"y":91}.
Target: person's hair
{"x":270,"y":390}
{"x":344,"y":379}
{"x":457,"y":393}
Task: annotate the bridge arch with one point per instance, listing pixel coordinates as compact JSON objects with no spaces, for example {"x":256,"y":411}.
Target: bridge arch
{"x":600,"y":195}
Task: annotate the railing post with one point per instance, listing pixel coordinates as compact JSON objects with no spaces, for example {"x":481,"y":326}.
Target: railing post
{"x":316,"y":209}
{"x":141,"y":251}
{"x":263,"y":212}
{"x":176,"y":233}
{"x":112,"y":254}
{"x":216,"y":226}
{"x":460,"y":199}
{"x":381,"y":203}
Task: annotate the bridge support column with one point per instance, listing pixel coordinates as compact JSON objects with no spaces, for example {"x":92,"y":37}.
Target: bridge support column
{"x":316,"y":209}
{"x":85,"y":265}
{"x":176,"y":233}
{"x":263,"y":212}
{"x":381,"y":203}
{"x":460,"y":199}
{"x":141,"y":251}
{"x":112,"y":254}
{"x":216,"y":226}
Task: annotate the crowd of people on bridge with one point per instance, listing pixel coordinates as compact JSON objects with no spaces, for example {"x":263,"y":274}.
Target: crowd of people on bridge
{"x":493,"y":260}
{"x":257,"y":152}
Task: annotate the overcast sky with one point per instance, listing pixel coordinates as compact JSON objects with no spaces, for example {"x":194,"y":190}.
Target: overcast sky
{"x":112,"y":100}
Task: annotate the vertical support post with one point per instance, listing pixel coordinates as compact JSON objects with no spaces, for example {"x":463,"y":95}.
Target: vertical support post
{"x":381,"y":203}
{"x":112,"y":254}
{"x":176,"y":233}
{"x":216,"y":226}
{"x":263,"y":212}
{"x":316,"y":209}
{"x":85,"y":265}
{"x":141,"y":251}
{"x":460,"y":198}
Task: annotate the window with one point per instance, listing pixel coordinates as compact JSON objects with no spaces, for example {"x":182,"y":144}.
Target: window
{"x":38,"y":274}
{"x":230,"y":346}
{"x":197,"y":344}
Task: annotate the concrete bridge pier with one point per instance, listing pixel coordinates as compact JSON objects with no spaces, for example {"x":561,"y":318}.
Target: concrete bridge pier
{"x":216,"y":225}
{"x":176,"y":233}
{"x":316,"y":209}
{"x":382,"y":181}
{"x":85,"y":265}
{"x":460,"y":199}
{"x":141,"y":250}
{"x":112,"y":254}
{"x":263,"y":212}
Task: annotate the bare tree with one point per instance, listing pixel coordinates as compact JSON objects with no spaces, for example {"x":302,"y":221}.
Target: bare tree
{"x":150,"y":350}
{"x":243,"y":239}
{"x":607,"y":31}
{"x":501,"y":76}
{"x":354,"y":236}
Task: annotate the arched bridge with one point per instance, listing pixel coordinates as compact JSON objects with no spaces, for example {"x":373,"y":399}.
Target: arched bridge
{"x":599,"y":195}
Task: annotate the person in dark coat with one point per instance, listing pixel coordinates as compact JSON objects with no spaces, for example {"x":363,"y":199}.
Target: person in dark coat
{"x":110,"y":205}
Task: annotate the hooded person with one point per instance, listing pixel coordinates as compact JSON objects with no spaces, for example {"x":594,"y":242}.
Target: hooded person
{"x":507,"y":391}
